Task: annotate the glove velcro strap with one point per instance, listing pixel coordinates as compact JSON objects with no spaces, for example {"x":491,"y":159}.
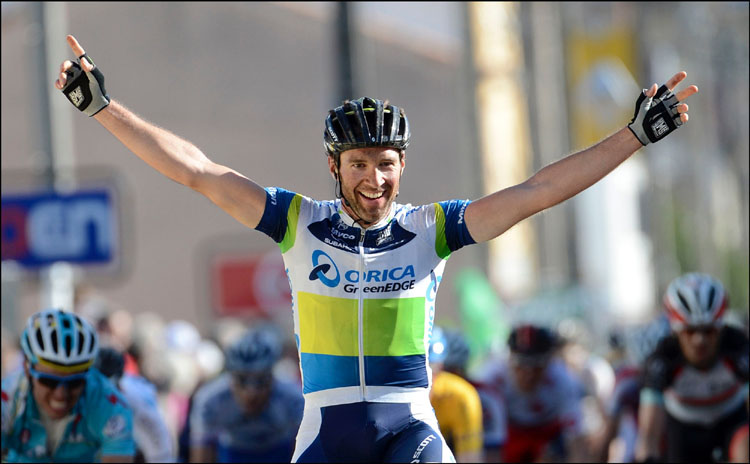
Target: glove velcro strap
{"x":662,"y":118}
{"x":642,"y":104}
{"x":89,"y":97}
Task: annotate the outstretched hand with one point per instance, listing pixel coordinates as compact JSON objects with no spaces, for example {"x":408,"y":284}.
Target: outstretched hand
{"x":659,"y":111}
{"x":82,"y":82}
{"x":682,"y":95}
{"x":78,"y":51}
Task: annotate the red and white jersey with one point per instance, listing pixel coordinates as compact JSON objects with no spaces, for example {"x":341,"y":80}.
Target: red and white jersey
{"x":555,"y":401}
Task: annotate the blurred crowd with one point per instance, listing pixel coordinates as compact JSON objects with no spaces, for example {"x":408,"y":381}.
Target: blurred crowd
{"x":586,"y":396}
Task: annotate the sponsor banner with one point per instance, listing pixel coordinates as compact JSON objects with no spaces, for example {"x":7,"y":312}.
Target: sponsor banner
{"x":42,"y":228}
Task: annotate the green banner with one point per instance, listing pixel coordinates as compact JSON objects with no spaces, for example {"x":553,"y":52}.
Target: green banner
{"x":481,"y":312}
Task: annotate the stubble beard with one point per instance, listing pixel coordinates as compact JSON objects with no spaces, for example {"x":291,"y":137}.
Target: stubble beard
{"x":353,"y":202}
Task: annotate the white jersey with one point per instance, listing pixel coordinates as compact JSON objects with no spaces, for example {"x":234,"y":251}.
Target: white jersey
{"x":556,"y":400}
{"x":150,"y":431}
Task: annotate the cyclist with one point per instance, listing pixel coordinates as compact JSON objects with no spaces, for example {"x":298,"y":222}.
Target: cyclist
{"x":150,"y":432}
{"x":363,"y":269}
{"x":695,"y":385}
{"x":458,"y":353}
{"x":57,"y":408}
{"x":616,"y":442}
{"x":537,"y":402}
{"x":456,"y":403}
{"x":246,"y":414}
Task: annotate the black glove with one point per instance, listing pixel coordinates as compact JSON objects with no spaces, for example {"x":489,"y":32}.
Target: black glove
{"x":86,"y":89}
{"x":656,"y":117}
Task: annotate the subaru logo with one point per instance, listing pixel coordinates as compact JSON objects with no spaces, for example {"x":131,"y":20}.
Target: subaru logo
{"x":321,"y":269}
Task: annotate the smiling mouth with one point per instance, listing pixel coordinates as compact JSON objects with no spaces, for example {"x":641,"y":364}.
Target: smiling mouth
{"x":58,"y":405}
{"x":372,"y":196}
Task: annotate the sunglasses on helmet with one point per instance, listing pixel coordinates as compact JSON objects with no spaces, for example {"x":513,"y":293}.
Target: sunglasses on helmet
{"x":71,"y":382}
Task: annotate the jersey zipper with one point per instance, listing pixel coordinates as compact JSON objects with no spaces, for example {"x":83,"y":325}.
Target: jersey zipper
{"x":360,"y":316}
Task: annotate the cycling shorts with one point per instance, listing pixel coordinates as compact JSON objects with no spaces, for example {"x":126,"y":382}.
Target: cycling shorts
{"x":371,"y":432}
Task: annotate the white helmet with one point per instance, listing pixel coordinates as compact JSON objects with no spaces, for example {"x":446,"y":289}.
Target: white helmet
{"x":695,"y":299}
{"x":61,"y":340}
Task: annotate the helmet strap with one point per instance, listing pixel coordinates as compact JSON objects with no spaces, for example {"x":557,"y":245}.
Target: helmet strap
{"x":340,"y":194}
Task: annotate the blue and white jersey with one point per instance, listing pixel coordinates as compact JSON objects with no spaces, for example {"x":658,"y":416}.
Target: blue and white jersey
{"x":363,"y":299}
{"x":100,"y":424}
{"x":217,"y":421}
{"x":150,"y":431}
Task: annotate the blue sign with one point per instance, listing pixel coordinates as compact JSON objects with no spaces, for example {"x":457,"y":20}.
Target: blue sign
{"x":39,"y":229}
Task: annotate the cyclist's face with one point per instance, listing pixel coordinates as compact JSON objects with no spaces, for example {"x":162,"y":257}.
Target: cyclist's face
{"x":251,"y":390}
{"x":370,"y":180}
{"x":528,"y":373}
{"x":699,"y":344}
{"x":55,"y":402}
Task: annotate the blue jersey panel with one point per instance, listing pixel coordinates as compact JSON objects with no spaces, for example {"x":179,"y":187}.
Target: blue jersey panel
{"x":274,"y":220}
{"x":324,"y":371}
{"x":456,"y":233}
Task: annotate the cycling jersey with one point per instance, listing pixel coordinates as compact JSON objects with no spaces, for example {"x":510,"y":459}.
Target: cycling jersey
{"x":622,"y":406}
{"x":100,"y":424}
{"x":698,"y":396}
{"x":523,"y":423}
{"x":459,"y":412}
{"x":217,"y":421}
{"x":363,"y":299}
{"x":704,"y":407}
{"x":152,"y":437}
{"x":626,"y":394}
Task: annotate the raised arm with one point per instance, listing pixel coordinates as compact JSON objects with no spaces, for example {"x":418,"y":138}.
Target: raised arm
{"x":492,"y":215}
{"x":169,"y":154}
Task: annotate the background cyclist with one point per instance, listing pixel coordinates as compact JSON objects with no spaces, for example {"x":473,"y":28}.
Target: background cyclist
{"x":152,"y":438}
{"x":539,"y":398}
{"x":695,"y":389}
{"x":616,"y":443}
{"x":58,"y":408}
{"x":456,"y":403}
{"x":246,"y":414}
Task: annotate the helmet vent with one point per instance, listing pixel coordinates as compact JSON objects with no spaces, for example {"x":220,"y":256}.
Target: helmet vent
{"x":80,"y":342}
{"x":372,"y":123}
{"x":40,"y":339}
{"x":92,"y":341}
{"x":355,"y":127}
{"x":66,"y":323}
{"x":387,"y":123}
{"x":711,"y":296}
{"x":402,"y":127}
{"x":53,"y":338}
{"x":68,"y":345}
{"x":684,"y":302}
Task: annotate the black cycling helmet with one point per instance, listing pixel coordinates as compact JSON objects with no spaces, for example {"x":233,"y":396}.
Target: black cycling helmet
{"x":110,"y":362}
{"x":530,"y":340}
{"x":365,"y":122}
